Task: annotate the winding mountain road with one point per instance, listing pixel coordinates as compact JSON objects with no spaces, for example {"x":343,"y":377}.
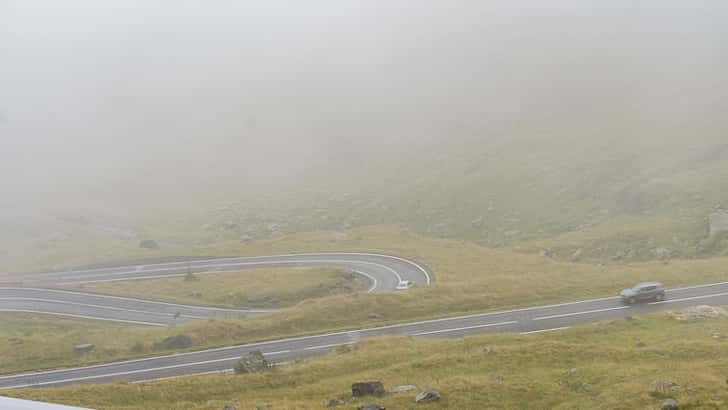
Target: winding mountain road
{"x":525,"y":321}
{"x":22,"y":293}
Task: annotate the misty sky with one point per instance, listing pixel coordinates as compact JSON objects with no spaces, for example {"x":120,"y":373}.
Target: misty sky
{"x":121,"y":91}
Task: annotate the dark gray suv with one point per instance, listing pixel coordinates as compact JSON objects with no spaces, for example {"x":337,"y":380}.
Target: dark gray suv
{"x":642,"y":292}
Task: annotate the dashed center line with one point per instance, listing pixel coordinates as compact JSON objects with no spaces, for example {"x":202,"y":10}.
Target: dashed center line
{"x":328,"y":346}
{"x":690,"y":298}
{"x":456,"y":329}
{"x":586,"y":312}
{"x":553,"y":329}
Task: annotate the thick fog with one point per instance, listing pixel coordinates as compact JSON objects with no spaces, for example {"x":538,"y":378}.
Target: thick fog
{"x":134,"y":97}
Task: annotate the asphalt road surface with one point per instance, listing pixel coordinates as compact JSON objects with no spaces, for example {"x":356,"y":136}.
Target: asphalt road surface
{"x":551,"y":318}
{"x":21,"y":293}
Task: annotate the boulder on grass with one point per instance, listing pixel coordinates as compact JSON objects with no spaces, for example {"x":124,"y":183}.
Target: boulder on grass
{"x":427,"y":396}
{"x":669,"y":404}
{"x":148,"y":244}
{"x":84,"y":348}
{"x":373,"y":388}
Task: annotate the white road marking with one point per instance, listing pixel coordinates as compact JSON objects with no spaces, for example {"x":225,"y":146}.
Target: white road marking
{"x":403,"y":325}
{"x":63,"y":302}
{"x":328,"y":346}
{"x":300,"y":338}
{"x":690,"y":298}
{"x":136,"y":322}
{"x":275,"y":353}
{"x":154,"y":302}
{"x":152,"y":369}
{"x":77,"y":379}
{"x":220,"y":266}
{"x":193,"y":262}
{"x":553,"y":329}
{"x":709,"y":285}
{"x":371,"y":278}
{"x":586,"y":312}
{"x":432,"y":332}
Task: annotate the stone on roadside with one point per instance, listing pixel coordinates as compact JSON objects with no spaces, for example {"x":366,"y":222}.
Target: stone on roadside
{"x":252,"y":362}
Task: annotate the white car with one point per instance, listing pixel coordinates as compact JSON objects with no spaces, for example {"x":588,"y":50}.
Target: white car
{"x":405,"y":284}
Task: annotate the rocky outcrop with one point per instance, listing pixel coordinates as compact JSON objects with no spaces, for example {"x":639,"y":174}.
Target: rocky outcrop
{"x":374,"y":388}
{"x":252,"y":362}
{"x":662,"y":388}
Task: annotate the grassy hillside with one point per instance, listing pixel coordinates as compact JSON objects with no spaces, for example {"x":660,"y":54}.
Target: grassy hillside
{"x":469,"y":278}
{"x":552,"y":189}
{"x":603,"y":366}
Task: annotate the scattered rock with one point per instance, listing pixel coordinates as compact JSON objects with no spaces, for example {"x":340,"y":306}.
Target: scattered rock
{"x":512,"y":232}
{"x":662,"y":253}
{"x":371,"y":407}
{"x":148,"y":244}
{"x":669,"y":404}
{"x":619,"y":255}
{"x":252,"y":362}
{"x":477,"y":222}
{"x":335,"y":402}
{"x":577,"y":254}
{"x":374,"y":315}
{"x":229,"y":407}
{"x":662,"y":388}
{"x":698,"y":312}
{"x":246,"y":239}
{"x":174,"y":342}
{"x":546,"y":253}
{"x":403,"y":389}
{"x":716,"y":335}
{"x":427,"y":396}
{"x":84,"y":348}
{"x":229,"y":225}
{"x":373,"y":388}
{"x":340,"y":236}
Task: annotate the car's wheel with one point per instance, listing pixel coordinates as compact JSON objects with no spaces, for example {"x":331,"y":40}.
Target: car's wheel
{"x":632,"y":301}
{"x":660,"y":297}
